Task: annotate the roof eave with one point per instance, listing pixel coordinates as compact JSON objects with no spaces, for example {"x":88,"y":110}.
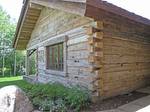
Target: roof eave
{"x":108,"y":7}
{"x":20,"y":22}
{"x":71,"y":6}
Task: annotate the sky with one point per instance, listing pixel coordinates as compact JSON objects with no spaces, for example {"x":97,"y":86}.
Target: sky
{"x":12,"y":7}
{"x":140,"y":7}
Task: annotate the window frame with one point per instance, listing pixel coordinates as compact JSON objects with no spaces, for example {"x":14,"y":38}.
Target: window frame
{"x":61,"y":39}
{"x":57,"y":66}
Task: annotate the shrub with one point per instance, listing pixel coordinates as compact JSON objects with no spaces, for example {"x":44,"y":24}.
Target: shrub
{"x":56,"y":97}
{"x":77,"y":98}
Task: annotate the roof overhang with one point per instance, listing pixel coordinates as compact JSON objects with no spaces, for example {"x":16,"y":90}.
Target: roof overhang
{"x":77,"y":1}
{"x":76,"y":7}
{"x":31,"y":11}
{"x":108,"y":7}
{"x":95,"y":9}
{"x":28,"y":18}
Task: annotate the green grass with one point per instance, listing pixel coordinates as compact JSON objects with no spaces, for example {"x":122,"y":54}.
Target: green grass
{"x":8,"y":79}
{"x":18,"y":81}
{"x":55,"y":96}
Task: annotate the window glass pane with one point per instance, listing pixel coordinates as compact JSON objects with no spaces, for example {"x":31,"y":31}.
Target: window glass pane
{"x":61,"y":56}
{"x":55,"y":57}
{"x":50,"y":57}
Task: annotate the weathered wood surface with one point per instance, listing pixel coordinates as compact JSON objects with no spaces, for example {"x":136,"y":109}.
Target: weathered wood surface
{"x":80,"y":1}
{"x":57,"y":22}
{"x":79,"y":46}
{"x":117,"y":22}
{"x":107,"y":58}
{"x":95,"y":41}
{"x":54,"y":27}
{"x":126,"y":65}
{"x":70,"y":7}
{"x":98,"y":10}
{"x":27,"y":27}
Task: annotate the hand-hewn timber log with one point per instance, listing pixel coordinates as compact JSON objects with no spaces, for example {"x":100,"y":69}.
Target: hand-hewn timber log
{"x":78,"y":1}
{"x":36,"y":6}
{"x":98,"y":25}
{"x":71,"y":7}
{"x":93,"y":59}
{"x":93,"y":40}
{"x":94,"y":68}
{"x":98,"y":35}
{"x":93,"y":49}
{"x":91,"y":30}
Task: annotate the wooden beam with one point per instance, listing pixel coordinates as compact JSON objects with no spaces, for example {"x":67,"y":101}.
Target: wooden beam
{"x":33,"y":14}
{"x":31,"y":21}
{"x":20,"y":23}
{"x":22,"y":34}
{"x":93,"y":40}
{"x":21,"y":41}
{"x":27,"y":28}
{"x":35,"y":11}
{"x":98,"y":35}
{"x":93,"y":49}
{"x":100,"y":54}
{"x":25,"y":23}
{"x":26,"y":31}
{"x":24,"y":38}
{"x":98,"y":25}
{"x":71,"y":7}
{"x":91,"y":30}
{"x":33,"y":17}
{"x":93,"y":59}
{"x":78,"y":1}
{"x":93,"y":69}
{"x":36,"y":6}
{"x":99,"y":45}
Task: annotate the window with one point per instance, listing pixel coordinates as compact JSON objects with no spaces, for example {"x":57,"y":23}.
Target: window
{"x":55,"y":57}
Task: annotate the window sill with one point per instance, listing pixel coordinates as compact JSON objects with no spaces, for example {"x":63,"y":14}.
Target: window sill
{"x":56,"y":73}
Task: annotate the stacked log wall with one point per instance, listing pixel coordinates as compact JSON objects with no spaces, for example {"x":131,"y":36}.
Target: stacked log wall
{"x":126,"y":58}
{"x":53,"y":26}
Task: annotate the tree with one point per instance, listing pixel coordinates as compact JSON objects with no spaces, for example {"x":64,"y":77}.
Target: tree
{"x":7,"y":53}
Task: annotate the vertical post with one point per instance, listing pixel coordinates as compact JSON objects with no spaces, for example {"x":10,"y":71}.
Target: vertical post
{"x":14,"y":63}
{"x":3,"y":58}
{"x":27,"y":62}
{"x":3,"y":71}
{"x":36,"y":62}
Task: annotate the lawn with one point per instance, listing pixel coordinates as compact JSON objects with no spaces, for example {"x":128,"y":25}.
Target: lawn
{"x":50,"y":96}
{"x":17,"y":80}
{"x":7,"y":79}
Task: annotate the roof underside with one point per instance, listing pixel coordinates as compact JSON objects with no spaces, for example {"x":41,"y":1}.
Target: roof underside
{"x":26,"y":26}
{"x":32,"y":9}
{"x":31,"y":12}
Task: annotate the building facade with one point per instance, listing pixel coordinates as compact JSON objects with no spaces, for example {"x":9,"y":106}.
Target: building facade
{"x":92,"y":44}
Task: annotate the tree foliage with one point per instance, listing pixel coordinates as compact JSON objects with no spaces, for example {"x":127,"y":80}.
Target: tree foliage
{"x":7,"y":53}
{"x":7,"y":25}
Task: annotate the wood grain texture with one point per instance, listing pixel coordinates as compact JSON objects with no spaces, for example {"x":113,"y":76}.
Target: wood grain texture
{"x":126,"y":65}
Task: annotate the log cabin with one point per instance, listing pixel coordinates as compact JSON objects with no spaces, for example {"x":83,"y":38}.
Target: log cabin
{"x":90,"y":43}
